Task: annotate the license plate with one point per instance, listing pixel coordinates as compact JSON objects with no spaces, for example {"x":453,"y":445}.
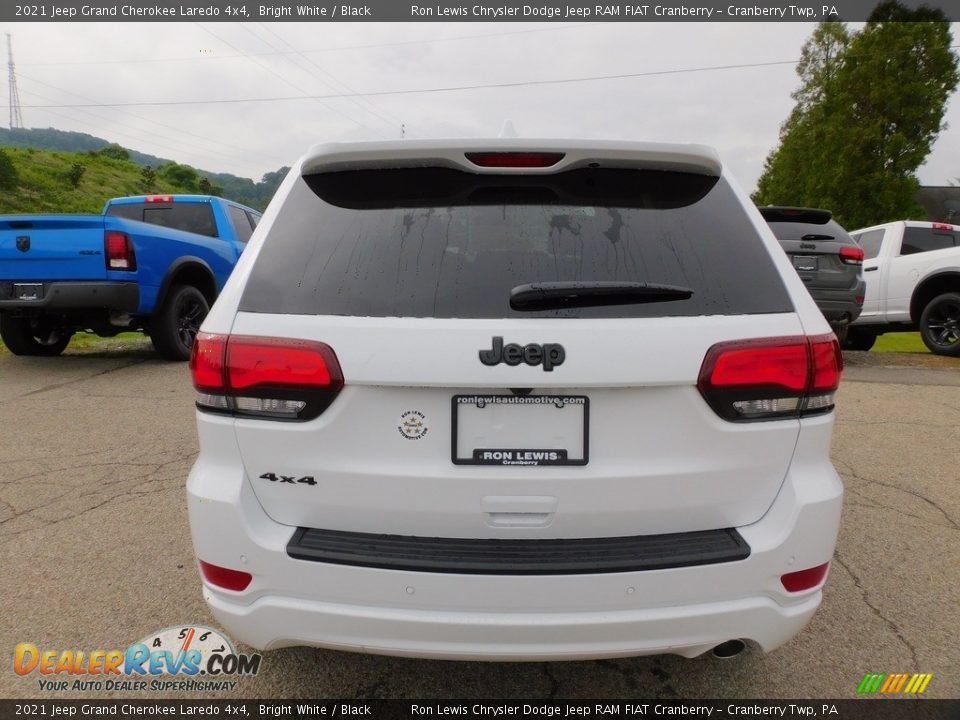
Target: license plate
{"x":805,"y":262}
{"x":515,"y":431}
{"x":27,"y":291}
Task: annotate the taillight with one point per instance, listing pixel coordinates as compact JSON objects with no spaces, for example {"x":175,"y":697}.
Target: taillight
{"x":515,"y":159}
{"x":771,"y":378}
{"x":274,"y":378}
{"x":118,"y":250}
{"x":805,"y":579}
{"x":225,"y":577}
{"x":850,"y":255}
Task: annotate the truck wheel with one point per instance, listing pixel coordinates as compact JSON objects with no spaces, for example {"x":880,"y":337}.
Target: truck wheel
{"x":940,"y":325}
{"x":175,"y":326}
{"x":33,"y":336}
{"x":858,"y":339}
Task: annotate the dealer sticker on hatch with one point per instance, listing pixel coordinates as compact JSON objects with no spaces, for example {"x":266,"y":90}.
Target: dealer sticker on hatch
{"x":512,"y":430}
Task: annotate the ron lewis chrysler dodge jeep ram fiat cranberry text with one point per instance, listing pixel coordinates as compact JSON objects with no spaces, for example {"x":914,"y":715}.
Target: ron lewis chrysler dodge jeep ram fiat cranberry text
{"x":514,"y":400}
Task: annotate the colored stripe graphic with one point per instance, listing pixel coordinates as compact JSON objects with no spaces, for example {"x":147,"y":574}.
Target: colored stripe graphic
{"x":870,"y":683}
{"x":894,"y":683}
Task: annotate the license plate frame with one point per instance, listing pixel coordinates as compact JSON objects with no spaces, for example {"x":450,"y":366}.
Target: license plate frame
{"x":806,"y":263}
{"x":28,"y":291}
{"x":543,"y":454}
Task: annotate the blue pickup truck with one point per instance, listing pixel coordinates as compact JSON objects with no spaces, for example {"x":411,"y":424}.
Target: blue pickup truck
{"x":152,"y":262}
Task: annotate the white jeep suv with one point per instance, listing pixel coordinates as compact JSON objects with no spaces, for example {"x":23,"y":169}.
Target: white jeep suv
{"x":514,"y":400}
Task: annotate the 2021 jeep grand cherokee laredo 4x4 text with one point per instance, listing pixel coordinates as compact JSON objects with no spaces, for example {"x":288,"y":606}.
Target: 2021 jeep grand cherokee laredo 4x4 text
{"x":514,"y":400}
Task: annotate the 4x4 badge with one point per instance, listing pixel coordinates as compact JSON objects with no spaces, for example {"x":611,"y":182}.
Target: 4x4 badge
{"x":549,"y":354}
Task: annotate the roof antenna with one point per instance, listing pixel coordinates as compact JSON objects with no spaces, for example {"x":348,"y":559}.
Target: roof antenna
{"x":508,"y":131}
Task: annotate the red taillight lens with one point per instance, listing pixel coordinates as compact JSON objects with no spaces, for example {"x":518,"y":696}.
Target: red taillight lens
{"x":159,"y":198}
{"x":859,"y":299}
{"x":851,"y":255}
{"x":274,"y":378}
{"x":805,"y":579}
{"x":771,"y":378}
{"x":942,"y":226}
{"x":253,"y":361}
{"x":206,"y":361}
{"x":119,"y":251}
{"x":225,"y":577}
{"x":515,"y":159}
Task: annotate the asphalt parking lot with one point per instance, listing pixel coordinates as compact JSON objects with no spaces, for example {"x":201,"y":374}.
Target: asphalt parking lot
{"x":95,"y":548}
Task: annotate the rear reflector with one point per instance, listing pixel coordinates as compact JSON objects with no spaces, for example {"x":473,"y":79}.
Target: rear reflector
{"x":118,"y":251}
{"x":274,"y":378}
{"x":225,"y":577}
{"x":851,"y":255}
{"x":515,"y":159}
{"x":805,"y":579}
{"x":771,"y":378}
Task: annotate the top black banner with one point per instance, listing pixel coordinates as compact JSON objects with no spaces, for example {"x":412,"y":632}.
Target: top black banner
{"x":449,"y":11}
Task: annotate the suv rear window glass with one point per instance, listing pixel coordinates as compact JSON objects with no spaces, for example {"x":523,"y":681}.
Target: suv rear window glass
{"x":800,"y":231}
{"x":923,"y":239}
{"x":190,"y":216}
{"x":441,"y":243}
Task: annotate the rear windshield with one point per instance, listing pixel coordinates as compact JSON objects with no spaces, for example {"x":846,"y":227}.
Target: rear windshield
{"x":195,"y":217}
{"x":441,"y":243}
{"x":829,"y":231}
{"x":926,"y":239}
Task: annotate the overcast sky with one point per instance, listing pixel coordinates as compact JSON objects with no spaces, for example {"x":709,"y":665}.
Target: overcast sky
{"x":737,"y":110}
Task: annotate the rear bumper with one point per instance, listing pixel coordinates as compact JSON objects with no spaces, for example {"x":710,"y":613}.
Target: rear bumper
{"x":681,"y":610}
{"x":839,"y":304}
{"x":66,"y":296}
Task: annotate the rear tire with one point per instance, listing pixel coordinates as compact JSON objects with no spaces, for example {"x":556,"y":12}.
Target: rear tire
{"x":859,"y":339}
{"x":940,"y":325}
{"x":33,"y":336}
{"x":174,"y":328}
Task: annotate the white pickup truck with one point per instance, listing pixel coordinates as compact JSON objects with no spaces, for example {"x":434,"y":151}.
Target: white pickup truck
{"x":912,"y":271}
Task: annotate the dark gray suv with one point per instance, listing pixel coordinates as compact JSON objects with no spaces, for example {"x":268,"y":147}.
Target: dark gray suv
{"x":826,"y":258}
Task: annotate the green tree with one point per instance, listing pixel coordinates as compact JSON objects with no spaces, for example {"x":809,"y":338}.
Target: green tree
{"x":9,"y":179}
{"x":75,"y":173}
{"x":148,"y":179}
{"x":183,"y":175}
{"x":868,"y":110}
{"x":114,"y":151}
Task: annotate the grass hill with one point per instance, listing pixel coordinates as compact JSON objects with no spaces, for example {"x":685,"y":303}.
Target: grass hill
{"x":240,"y":189}
{"x":44,"y":182}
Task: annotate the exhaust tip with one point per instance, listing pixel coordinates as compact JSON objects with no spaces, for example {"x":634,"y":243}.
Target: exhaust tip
{"x":729,"y":649}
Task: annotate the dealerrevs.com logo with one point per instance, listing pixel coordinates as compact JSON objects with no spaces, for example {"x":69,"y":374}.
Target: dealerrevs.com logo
{"x":180,"y":658}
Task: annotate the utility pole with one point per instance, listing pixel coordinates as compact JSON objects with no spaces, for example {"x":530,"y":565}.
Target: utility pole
{"x":16,"y":117}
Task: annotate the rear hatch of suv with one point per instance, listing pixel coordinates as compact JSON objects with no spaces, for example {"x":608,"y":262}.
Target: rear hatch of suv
{"x":514,"y":350}
{"x":823,"y":254}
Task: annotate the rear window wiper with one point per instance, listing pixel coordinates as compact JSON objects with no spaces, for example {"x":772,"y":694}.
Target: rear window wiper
{"x":590,"y":293}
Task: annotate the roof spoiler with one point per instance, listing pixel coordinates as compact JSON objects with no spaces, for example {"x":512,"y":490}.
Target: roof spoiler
{"x":332,"y":157}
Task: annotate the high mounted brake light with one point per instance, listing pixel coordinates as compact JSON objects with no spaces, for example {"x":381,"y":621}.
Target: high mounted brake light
{"x":159,"y":198}
{"x":771,"y":378}
{"x":515,"y":159}
{"x":118,"y":251}
{"x":263,"y":377}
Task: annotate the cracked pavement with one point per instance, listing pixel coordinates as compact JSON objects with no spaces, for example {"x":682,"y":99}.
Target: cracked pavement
{"x":95,"y":548}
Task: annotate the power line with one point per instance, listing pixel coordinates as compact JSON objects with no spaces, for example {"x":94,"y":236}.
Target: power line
{"x":318,"y":98}
{"x":366,"y":46}
{"x":450,"y":88}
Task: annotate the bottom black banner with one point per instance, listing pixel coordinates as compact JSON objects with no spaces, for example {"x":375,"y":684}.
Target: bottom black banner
{"x":891,"y":709}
